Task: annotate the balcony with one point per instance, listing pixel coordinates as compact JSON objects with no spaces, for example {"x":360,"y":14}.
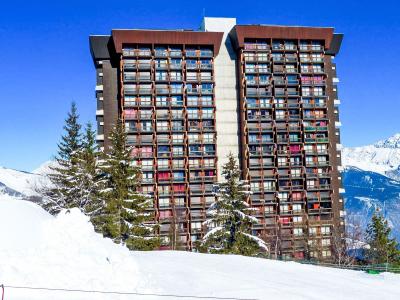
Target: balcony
{"x":286,"y":47}
{"x":315,"y":128}
{"x":136,"y":52}
{"x":161,"y":53}
{"x":313,"y":82}
{"x":175,"y":53}
{"x":199,"y":90}
{"x":250,"y":92}
{"x":263,"y":127}
{"x":307,"y":48}
{"x":175,"y":66}
{"x":255,"y":46}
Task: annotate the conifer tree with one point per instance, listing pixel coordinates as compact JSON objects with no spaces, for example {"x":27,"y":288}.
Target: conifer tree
{"x":382,"y":248}
{"x":88,"y":174}
{"x":63,"y":193}
{"x":229,"y":218}
{"x":124,"y":217}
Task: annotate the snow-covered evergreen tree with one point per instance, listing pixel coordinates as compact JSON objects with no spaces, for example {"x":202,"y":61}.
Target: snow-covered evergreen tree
{"x":229,"y":219}
{"x":125,"y":217}
{"x":87,"y":177}
{"x":63,"y":176}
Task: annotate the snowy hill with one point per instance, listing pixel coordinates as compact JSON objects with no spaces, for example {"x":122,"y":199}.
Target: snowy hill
{"x":383,"y":157}
{"x":65,"y":252}
{"x":21,"y":184}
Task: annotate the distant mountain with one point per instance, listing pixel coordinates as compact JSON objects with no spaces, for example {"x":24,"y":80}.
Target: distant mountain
{"x":383,"y":157}
{"x":21,"y":184}
{"x":372,"y":181}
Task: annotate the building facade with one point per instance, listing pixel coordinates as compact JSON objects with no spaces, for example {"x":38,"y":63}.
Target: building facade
{"x":267,"y":94}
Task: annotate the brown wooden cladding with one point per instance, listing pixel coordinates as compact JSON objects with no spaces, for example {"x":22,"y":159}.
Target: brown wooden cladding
{"x":283,"y":32}
{"x":169,"y":37}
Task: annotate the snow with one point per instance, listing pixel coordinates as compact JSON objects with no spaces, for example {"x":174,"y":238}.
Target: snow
{"x":39,"y":250}
{"x":381,"y":157}
{"x":20,"y":181}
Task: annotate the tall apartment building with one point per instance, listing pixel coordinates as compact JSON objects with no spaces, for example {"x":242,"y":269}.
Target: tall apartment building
{"x":268,"y":94}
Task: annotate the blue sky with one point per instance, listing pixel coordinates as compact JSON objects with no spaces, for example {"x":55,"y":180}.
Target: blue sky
{"x":46,"y":63}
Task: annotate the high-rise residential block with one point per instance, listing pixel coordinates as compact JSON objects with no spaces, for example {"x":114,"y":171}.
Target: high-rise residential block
{"x":267,"y":94}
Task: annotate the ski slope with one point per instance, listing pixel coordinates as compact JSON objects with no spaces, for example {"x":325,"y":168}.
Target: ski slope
{"x":38,"y":250}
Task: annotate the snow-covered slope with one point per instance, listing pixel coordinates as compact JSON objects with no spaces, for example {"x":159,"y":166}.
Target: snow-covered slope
{"x":382,"y":157}
{"x":21,"y":184}
{"x":38,"y":250}
{"x":20,"y":181}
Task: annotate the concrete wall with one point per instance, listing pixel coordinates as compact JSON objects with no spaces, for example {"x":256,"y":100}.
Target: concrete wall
{"x":225,"y":91}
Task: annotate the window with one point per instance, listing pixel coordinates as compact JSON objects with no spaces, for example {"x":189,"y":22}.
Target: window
{"x":208,"y":137}
{"x":283,"y":196}
{"x":255,"y":186}
{"x":178,"y":163}
{"x":161,"y":76}
{"x":297,"y":219}
{"x":205,"y":76}
{"x":306,"y":91}
{"x":177,"y":113}
{"x":147,"y":164}
{"x":191,"y":76}
{"x":280,"y":114}
{"x":318,"y":91}
{"x":282,"y":161}
{"x":298,"y":231}
{"x":208,"y":162}
{"x":269,"y":185}
{"x":206,"y":100}
{"x":177,"y":150}
{"x":196,"y":225}
{"x":193,"y":137}
{"x":326,"y":253}
{"x":207,"y":113}
{"x":312,"y":230}
{"x":297,"y":196}
{"x":209,"y":149}
{"x":176,"y":76}
{"x":193,"y":100}
{"x":322,"y":160}
{"x":176,"y":100}
{"x":192,"y":113}
{"x":179,"y":176}
{"x":295,"y":172}
{"x":326,"y":242}
{"x":194,"y":162}
{"x":146,"y":126}
{"x":161,"y":101}
{"x":162,"y":125}
{"x":325,"y":230}
{"x":163,"y":163}
{"x":297,"y":207}
{"x":163,"y":202}
{"x":250,"y":68}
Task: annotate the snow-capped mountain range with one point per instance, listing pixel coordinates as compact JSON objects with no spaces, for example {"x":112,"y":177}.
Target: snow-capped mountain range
{"x":372,"y":181}
{"x":383,"y":157}
{"x":22,"y":185}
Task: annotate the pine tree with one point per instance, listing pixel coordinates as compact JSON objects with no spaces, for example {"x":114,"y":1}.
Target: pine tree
{"x":229,"y":218}
{"x":124,"y":217}
{"x":382,"y":248}
{"x":88,"y":174}
{"x":63,"y":192}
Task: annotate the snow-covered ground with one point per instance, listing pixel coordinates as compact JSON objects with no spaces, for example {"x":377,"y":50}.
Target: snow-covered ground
{"x":38,"y":250}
